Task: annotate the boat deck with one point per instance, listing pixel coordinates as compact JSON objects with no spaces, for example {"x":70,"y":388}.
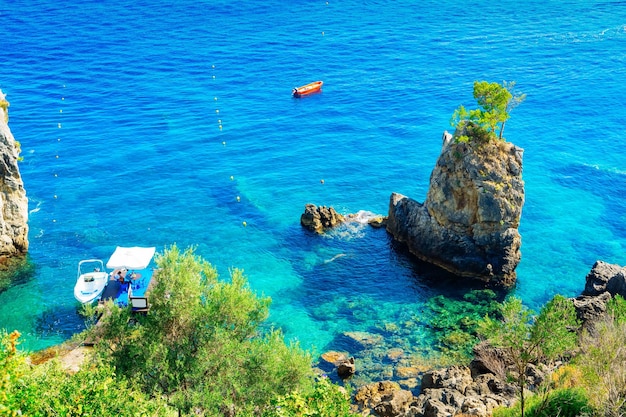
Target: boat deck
{"x":118,"y":292}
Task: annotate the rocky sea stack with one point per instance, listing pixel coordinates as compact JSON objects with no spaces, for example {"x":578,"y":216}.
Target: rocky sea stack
{"x":469,"y":222}
{"x":13,"y":201}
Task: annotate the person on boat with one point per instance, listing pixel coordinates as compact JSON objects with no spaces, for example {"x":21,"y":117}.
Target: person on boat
{"x":119,"y":276}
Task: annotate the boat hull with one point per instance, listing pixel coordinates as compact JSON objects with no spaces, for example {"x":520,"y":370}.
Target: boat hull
{"x":89,"y":286}
{"x":305,"y":90}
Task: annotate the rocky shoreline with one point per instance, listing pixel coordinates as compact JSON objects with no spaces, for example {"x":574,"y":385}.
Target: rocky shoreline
{"x":474,"y":389}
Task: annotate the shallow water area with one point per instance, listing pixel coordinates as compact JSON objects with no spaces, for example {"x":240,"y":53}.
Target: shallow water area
{"x":174,"y":123}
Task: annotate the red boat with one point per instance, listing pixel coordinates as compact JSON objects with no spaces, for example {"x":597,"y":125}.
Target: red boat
{"x":305,"y":90}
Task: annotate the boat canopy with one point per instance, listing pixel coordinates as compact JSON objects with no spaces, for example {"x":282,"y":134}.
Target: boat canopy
{"x":131,"y":258}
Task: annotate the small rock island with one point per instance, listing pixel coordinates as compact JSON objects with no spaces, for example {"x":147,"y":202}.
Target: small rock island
{"x":469,"y":222}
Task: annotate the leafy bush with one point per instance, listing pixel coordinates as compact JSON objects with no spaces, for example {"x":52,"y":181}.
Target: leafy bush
{"x":47,"y":389}
{"x":566,"y":402}
{"x":200,"y":345}
{"x":324,"y":400}
{"x":616,"y":308}
{"x":603,"y":362}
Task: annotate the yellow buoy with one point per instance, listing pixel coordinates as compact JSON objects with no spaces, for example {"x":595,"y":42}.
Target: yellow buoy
{"x":232,"y":178}
{"x":238,"y":199}
{"x":220,"y":127}
{"x":224,"y":143}
{"x":217,"y":111}
{"x":322,"y":181}
{"x":215,"y":98}
{"x":244,"y":224}
{"x":59,"y":125}
{"x":61,"y":111}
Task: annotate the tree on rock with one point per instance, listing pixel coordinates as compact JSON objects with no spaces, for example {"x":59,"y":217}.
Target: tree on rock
{"x":487,"y":122}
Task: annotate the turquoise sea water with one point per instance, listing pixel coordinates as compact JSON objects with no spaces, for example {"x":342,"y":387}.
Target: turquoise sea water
{"x":118,"y":107}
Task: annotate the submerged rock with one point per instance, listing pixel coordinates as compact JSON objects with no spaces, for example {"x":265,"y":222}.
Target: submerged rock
{"x":469,"y":222}
{"x":14,"y":203}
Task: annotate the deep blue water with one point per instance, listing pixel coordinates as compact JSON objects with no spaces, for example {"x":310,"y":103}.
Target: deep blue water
{"x":118,"y":107}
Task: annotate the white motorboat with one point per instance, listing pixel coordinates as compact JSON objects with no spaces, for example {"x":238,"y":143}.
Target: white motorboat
{"x":91,"y":281}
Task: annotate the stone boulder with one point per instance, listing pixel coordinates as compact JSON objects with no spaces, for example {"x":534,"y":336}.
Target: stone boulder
{"x":469,"y":221}
{"x":591,"y":308}
{"x":603,"y":282}
{"x":318,"y":219}
{"x":14,"y":203}
{"x":605,"y":277}
{"x":346,"y":368}
{"x":384,"y":397}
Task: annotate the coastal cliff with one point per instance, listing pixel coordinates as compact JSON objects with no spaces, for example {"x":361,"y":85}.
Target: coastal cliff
{"x":13,"y":200}
{"x":469,"y":222}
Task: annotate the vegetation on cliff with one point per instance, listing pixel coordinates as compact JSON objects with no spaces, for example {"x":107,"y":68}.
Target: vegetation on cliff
{"x":487,"y":121}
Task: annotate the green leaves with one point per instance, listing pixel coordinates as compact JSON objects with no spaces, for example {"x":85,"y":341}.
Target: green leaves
{"x":529,"y":338}
{"x":486,"y":122}
{"x":200,"y":345}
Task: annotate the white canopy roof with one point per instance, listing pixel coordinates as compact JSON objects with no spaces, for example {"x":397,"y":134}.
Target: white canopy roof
{"x":131,"y":258}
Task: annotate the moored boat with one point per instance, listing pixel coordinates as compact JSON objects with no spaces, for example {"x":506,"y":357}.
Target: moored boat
{"x":91,"y":281}
{"x":307,"y":89}
{"x":129,"y":272}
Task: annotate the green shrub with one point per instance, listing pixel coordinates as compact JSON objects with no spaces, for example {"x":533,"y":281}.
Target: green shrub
{"x":602,"y":358}
{"x":567,"y":402}
{"x":200,"y":345}
{"x":616,"y":308}
{"x":324,"y":400}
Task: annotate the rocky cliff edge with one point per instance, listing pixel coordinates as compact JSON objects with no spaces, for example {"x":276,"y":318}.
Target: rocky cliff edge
{"x":13,"y":200}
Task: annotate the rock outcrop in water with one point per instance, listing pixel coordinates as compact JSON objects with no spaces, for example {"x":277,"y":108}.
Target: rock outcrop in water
{"x":469,"y":222}
{"x":13,"y":200}
{"x":317,"y":219}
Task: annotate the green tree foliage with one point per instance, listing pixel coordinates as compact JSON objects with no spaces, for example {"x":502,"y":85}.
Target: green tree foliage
{"x":324,"y":400}
{"x":48,"y":390}
{"x":495,"y":104}
{"x":199,"y":345}
{"x":531,"y":339}
{"x":11,"y":369}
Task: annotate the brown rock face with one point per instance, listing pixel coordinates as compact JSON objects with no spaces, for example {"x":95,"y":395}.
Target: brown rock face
{"x":317,"y":219}
{"x":469,"y":222}
{"x":13,"y":201}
